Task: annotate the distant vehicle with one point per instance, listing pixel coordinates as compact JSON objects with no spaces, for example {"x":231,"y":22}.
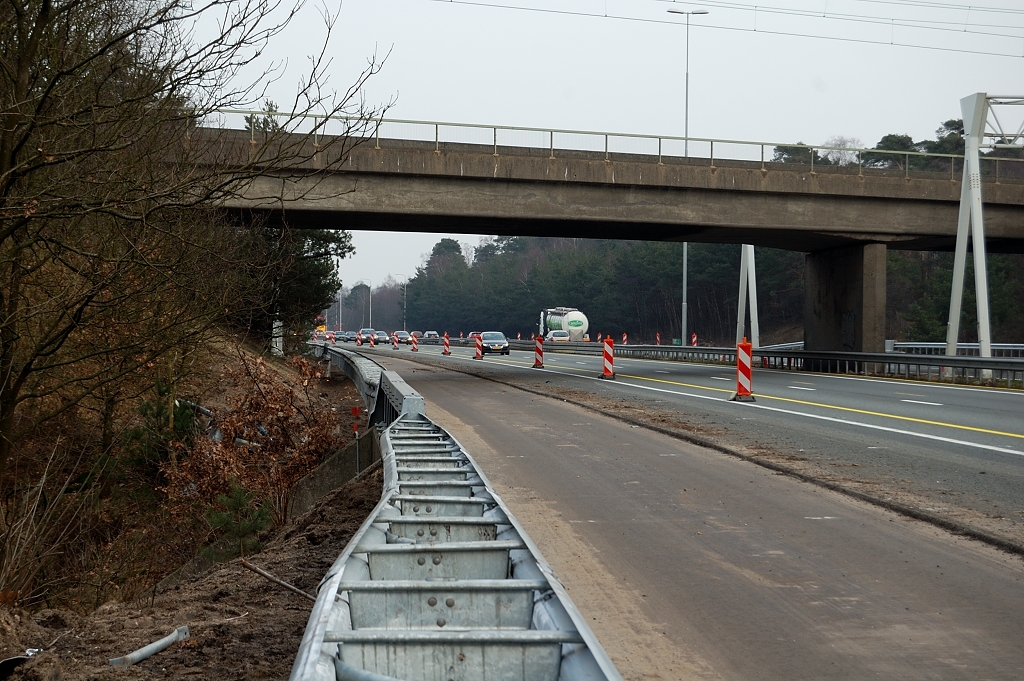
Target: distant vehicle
{"x":474,"y":334}
{"x":350,"y":336}
{"x":567,"y":319}
{"x":416,"y":334}
{"x":494,"y":341}
{"x":431,"y":336}
{"x":557,"y":337}
{"x":403,"y":337}
{"x":367,"y":332}
{"x":383,"y":337}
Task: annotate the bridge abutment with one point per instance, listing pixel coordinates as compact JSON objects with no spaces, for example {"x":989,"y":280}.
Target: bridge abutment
{"x":844,"y":299}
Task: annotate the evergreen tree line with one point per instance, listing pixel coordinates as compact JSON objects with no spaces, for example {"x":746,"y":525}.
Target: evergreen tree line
{"x":635,"y":287}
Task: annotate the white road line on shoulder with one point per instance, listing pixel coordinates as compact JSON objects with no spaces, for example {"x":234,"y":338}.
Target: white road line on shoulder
{"x":720,"y":378}
{"x":819,"y":417}
{"x":797,"y":387}
{"x":930,"y":404}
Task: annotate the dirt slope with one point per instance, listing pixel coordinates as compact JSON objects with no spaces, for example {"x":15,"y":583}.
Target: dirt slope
{"x":242,"y":626}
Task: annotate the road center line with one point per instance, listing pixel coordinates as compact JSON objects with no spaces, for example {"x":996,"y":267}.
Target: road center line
{"x":930,"y":404}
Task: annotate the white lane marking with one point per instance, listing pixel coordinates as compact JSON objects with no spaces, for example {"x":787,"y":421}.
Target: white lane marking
{"x":819,"y":517}
{"x":797,"y":387}
{"x":659,"y":371}
{"x":831,"y":419}
{"x":930,"y":404}
{"x":583,"y":363}
{"x":720,"y":378}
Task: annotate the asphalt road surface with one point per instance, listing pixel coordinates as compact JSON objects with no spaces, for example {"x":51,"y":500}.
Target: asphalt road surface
{"x":955,"y":452}
{"x":696,"y":564}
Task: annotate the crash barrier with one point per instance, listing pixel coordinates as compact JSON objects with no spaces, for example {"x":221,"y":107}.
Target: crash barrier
{"x":1004,"y":371}
{"x":441,"y":581}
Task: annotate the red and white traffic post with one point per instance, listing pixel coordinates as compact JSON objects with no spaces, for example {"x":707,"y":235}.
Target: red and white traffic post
{"x":744,"y":373}
{"x":538,"y":353}
{"x":479,"y":348}
{"x":625,"y":338}
{"x":447,"y":346}
{"x":657,"y":338}
{"x":693,"y":340}
{"x":373,"y":340}
{"x":415,"y":345}
{"x":359,"y":339}
{"x":609,"y":358}
{"x":330,"y":336}
{"x":394,"y":341}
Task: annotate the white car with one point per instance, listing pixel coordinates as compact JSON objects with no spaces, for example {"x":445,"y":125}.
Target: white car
{"x":557,"y":337}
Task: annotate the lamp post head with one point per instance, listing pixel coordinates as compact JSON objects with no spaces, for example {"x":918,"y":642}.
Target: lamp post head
{"x":696,"y":11}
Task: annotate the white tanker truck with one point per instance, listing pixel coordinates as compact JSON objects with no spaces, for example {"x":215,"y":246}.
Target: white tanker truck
{"x":564,"y":319}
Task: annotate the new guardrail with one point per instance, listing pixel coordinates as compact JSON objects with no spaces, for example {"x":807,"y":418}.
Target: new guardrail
{"x":1005,"y":371}
{"x":440,"y":581}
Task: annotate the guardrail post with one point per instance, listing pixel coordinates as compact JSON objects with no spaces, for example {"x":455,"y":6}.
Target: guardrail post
{"x":659,"y":152}
{"x":495,"y":141}
{"x":712,"y":154}
{"x":906,"y":170}
{"x":812,"y":159}
{"x":437,"y":138}
{"x":762,"y":157}
{"x":860,"y":163}
{"x":551,"y":144}
{"x":606,"y":156}
{"x":376,"y":135}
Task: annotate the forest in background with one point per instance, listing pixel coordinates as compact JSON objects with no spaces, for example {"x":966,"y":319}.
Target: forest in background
{"x":635,"y":287}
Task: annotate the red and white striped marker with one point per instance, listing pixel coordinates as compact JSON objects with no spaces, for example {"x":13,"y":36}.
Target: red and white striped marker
{"x":415,"y":345}
{"x":598,"y":338}
{"x":693,"y":340}
{"x":609,"y":358}
{"x":657,"y":338}
{"x":394,"y":341}
{"x":373,"y":340}
{"x":538,"y":353}
{"x":330,"y":336}
{"x":447,"y":347}
{"x":359,"y":339}
{"x":625,"y":338}
{"x":744,"y":374}
{"x":519,"y":336}
{"x":479,"y":348}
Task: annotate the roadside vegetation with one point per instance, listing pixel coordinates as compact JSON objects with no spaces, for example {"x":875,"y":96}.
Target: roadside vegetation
{"x":127,"y":296}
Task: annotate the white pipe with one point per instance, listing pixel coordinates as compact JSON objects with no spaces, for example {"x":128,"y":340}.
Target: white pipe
{"x":179,"y":634}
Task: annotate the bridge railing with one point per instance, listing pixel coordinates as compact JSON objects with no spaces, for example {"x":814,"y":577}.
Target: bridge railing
{"x":672,"y":148}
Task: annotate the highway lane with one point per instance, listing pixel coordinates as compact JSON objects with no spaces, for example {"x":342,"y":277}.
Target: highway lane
{"x":749,"y":574}
{"x":961,"y":460}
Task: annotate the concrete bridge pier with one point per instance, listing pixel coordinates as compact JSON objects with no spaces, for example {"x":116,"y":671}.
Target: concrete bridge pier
{"x":844,"y":299}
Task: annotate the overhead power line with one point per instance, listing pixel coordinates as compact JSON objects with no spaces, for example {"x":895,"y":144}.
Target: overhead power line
{"x":794,"y":34}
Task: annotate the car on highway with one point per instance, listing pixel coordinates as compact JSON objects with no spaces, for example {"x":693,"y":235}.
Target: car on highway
{"x":416,"y":334}
{"x":473,"y":335}
{"x":350,"y":336}
{"x":383,"y":337}
{"x":431,"y":337}
{"x":494,"y":341}
{"x":403,"y":337}
{"x":557,"y":337}
{"x":367,"y":332}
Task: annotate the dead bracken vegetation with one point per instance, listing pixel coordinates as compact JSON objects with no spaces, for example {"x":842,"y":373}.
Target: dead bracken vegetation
{"x":241,"y":625}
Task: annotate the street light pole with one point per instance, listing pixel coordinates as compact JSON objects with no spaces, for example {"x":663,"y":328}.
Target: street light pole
{"x":686,"y":148}
{"x":686,"y":102}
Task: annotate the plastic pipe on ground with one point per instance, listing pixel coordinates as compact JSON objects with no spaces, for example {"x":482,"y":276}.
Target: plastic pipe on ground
{"x":179,"y":634}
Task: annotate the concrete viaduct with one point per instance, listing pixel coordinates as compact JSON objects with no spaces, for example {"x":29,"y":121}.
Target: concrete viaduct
{"x":843,"y":218}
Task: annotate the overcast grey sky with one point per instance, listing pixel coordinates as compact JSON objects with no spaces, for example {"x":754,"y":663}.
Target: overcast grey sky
{"x":893,"y":66}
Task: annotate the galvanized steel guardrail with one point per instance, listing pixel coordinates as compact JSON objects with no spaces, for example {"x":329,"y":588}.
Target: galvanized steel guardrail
{"x":441,"y":582}
{"x":1007,"y":371}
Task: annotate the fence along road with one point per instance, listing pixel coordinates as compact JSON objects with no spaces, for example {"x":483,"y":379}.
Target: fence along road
{"x":440,"y":582}
{"x":748,"y":574}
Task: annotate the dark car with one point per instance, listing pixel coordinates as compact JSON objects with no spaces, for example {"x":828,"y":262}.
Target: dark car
{"x":403,"y":337}
{"x":383,"y":337}
{"x":494,"y":341}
